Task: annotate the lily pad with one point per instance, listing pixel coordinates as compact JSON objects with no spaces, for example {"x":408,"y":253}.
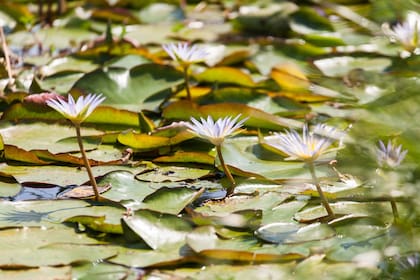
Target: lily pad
{"x":158,"y":230}
{"x":294,"y":233}
{"x":130,"y":87}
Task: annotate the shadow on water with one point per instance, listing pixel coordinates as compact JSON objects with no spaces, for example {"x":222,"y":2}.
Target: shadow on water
{"x":40,"y":191}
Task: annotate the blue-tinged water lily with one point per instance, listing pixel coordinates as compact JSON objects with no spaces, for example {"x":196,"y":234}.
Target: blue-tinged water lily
{"x":76,"y":111}
{"x":407,"y":33}
{"x":390,"y":155}
{"x":184,"y":53}
{"x":308,"y":146}
{"x":215,"y":131}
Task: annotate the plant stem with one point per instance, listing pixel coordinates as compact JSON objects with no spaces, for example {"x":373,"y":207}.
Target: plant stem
{"x":226,"y":170}
{"x":86,"y":162}
{"x":394,"y":209}
{"x":187,"y":82}
{"x":318,"y":188}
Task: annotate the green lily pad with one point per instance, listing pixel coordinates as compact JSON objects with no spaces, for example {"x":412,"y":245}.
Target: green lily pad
{"x":184,"y":110}
{"x":204,"y":241}
{"x":225,"y":75}
{"x":170,"y":200}
{"x":130,"y":87}
{"x":184,"y":157}
{"x":314,"y":267}
{"x":158,"y":230}
{"x":67,"y":64}
{"x":241,"y":219}
{"x":51,"y":213}
{"x":358,"y":238}
{"x":171,"y":174}
{"x":46,"y":136}
{"x":375,"y":209}
{"x":9,"y":186}
{"x":54,"y":255}
{"x":44,"y":272}
{"x":283,"y":213}
{"x":340,"y":66}
{"x":148,"y":142}
{"x":141,"y":257}
{"x":294,"y":233}
{"x":103,"y":115}
{"x":102,"y":271}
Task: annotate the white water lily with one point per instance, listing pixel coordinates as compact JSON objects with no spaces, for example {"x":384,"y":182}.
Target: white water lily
{"x":406,"y":32}
{"x":76,"y":111}
{"x":390,"y":155}
{"x":308,"y":146}
{"x":215,"y":131}
{"x":184,"y":53}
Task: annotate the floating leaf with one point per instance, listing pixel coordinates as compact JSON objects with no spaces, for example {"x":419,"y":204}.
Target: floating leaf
{"x":54,"y":255}
{"x":225,"y":75}
{"x":290,"y":77}
{"x":204,"y":241}
{"x":158,"y":230}
{"x":294,"y":233}
{"x":130,"y":87}
{"x":241,"y":219}
{"x":171,"y":174}
{"x":184,"y":157}
{"x":184,"y":110}
{"x":345,"y":208}
{"x":147,"y":142}
{"x":43,"y":272}
{"x":340,"y":66}
{"x":170,"y":200}
{"x":102,"y":115}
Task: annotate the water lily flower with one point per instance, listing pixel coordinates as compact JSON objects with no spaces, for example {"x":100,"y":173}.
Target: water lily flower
{"x":215,"y":131}
{"x":390,"y":155}
{"x":184,"y":53}
{"x":76,"y":111}
{"x":308,"y":146}
{"x":406,"y":32}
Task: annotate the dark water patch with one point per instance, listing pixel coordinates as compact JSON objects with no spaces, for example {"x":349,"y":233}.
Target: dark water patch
{"x":40,"y":191}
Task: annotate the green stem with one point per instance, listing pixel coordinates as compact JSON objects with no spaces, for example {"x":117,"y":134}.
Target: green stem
{"x":226,"y":170}
{"x":318,"y":188}
{"x":86,"y":162}
{"x":394,"y":209}
{"x":187,"y":82}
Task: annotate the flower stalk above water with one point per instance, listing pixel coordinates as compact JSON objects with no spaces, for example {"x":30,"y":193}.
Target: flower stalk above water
{"x":216,"y":132}
{"x":389,"y":157}
{"x":77,"y":112}
{"x":308,"y":147}
{"x":185,"y":55}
